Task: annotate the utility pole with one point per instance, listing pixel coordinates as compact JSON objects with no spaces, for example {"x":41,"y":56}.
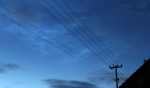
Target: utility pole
{"x":117,"y":79}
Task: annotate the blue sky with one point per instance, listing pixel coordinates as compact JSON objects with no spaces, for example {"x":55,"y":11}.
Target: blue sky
{"x":45,"y":48}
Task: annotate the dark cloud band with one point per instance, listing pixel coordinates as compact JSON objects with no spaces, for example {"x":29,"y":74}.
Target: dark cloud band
{"x":56,"y":83}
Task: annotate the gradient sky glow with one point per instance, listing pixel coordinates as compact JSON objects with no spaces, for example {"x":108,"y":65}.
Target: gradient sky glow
{"x":40,"y":58}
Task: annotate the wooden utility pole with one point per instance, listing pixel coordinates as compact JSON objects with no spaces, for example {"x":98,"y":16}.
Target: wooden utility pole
{"x":117,"y":79}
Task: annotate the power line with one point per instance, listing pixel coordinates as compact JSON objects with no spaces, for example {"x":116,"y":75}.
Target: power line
{"x":68,"y":29}
{"x":52,"y":44}
{"x":78,"y":25}
{"x":67,"y":22}
{"x":81,"y":29}
{"x":93,"y":33}
{"x":61,"y":22}
{"x":53,"y":39}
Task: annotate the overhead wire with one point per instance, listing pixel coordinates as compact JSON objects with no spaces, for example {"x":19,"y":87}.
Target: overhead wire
{"x":76,"y":23}
{"x":52,"y":44}
{"x":50,"y":13}
{"x":74,"y":27}
{"x":66,"y":21}
{"x":51,"y":38}
{"x":94,"y":35}
{"x":80,"y":28}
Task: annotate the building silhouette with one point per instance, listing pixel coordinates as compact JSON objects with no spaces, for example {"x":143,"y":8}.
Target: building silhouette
{"x":140,"y":78}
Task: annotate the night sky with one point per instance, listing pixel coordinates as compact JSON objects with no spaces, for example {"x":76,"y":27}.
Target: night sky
{"x":71,"y":43}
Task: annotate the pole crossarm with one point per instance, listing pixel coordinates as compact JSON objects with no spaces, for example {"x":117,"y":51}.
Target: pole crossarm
{"x":116,"y":66}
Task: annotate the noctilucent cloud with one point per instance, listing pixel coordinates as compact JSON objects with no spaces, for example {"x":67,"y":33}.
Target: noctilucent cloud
{"x":71,"y":43}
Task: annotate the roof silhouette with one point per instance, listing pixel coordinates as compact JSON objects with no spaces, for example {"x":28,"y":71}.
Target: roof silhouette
{"x":140,"y":78}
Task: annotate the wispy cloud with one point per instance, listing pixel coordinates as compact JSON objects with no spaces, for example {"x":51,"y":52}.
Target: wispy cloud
{"x":2,"y":70}
{"x":18,"y":82}
{"x":84,"y":52}
{"x":57,"y":83}
{"x":6,"y":87}
{"x":139,"y":8}
{"x":10,"y":66}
